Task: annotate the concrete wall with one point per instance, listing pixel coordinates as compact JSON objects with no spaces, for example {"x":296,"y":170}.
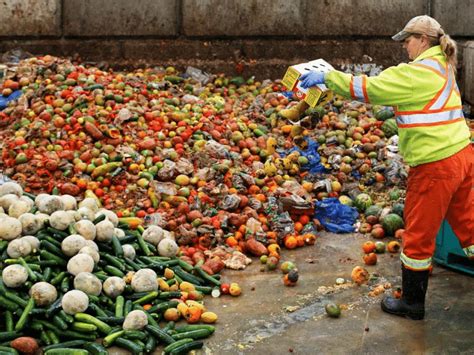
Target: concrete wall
{"x":265,"y":35}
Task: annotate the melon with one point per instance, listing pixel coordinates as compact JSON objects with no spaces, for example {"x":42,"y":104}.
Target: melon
{"x":391,"y":223}
{"x":383,"y":113}
{"x":362,"y":202}
{"x":373,"y":210}
{"x":389,"y":127}
{"x":398,"y":209}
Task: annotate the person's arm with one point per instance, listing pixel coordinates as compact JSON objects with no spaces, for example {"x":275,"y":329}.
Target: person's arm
{"x":391,"y":87}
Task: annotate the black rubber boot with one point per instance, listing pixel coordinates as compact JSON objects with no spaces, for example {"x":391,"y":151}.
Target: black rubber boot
{"x":412,"y":302}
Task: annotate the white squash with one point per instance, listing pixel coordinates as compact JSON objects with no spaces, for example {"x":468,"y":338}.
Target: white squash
{"x":34,"y":242}
{"x":94,"y":254}
{"x":11,"y":187}
{"x":90,"y":203}
{"x":104,"y":231}
{"x":7,"y":200}
{"x":60,"y":220}
{"x":113,"y":286}
{"x":72,"y":244}
{"x":88,"y":283}
{"x":135,"y":320}
{"x":153,"y":235}
{"x":167,"y":247}
{"x":18,"y":248}
{"x":80,"y":263}
{"x":30,"y":223}
{"x":129,"y":251}
{"x":86,"y":213}
{"x":50,"y":204}
{"x":69,"y":202}
{"x":10,"y":228}
{"x":111,"y":216}
{"x":29,"y":201}
{"x":119,"y":233}
{"x":74,"y":301}
{"x":18,"y":208}
{"x":86,"y":228}
{"x":144,"y":280}
{"x":43,"y":293}
{"x":14,"y":276}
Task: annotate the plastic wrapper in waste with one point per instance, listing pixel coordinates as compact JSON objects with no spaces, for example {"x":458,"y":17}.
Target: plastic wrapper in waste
{"x":155,"y":219}
{"x":395,"y":173}
{"x":166,"y":188}
{"x":167,"y":172}
{"x":335,"y":216}
{"x":283,"y":225}
{"x":184,"y":166}
{"x":198,"y":75}
{"x":230,"y":202}
{"x":254,"y":226}
{"x":216,"y":150}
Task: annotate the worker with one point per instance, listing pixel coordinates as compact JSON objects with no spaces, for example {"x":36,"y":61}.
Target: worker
{"x":434,"y":141}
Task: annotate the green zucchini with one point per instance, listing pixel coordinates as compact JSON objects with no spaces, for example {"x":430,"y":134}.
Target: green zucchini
{"x":186,"y":348}
{"x":66,"y":351}
{"x":95,"y":348}
{"x":24,"y":316}
{"x":160,"y":334}
{"x":66,"y":344}
{"x":177,"y":344}
{"x":195,"y":334}
{"x":87,"y":318}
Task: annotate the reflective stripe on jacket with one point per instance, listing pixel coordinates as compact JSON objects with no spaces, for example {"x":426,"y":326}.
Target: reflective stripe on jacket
{"x":431,"y":125}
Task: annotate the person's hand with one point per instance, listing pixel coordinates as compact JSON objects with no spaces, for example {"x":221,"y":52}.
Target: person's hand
{"x":311,"y":79}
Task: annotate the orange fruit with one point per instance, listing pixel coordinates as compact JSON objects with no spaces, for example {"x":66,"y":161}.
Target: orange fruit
{"x":291,"y":242}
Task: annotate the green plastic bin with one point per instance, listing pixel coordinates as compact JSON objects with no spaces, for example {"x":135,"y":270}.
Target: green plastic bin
{"x":449,"y":252}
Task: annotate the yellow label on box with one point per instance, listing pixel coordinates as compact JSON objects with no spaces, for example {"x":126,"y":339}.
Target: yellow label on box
{"x":291,"y":78}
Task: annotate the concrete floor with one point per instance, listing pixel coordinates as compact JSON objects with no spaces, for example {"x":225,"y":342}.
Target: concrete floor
{"x":269,"y":318}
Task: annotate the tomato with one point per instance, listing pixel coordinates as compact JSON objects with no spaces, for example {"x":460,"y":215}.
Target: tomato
{"x":140,"y":214}
{"x":225,"y":287}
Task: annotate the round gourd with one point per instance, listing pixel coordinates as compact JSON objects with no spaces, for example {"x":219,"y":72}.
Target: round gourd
{"x":18,"y":208}
{"x":86,"y":213}
{"x":74,"y":301}
{"x":72,"y":244}
{"x":18,"y":248}
{"x":43,"y":293}
{"x":88,"y":283}
{"x":86,"y":228}
{"x":30,"y":224}
{"x":104,"y":231}
{"x":14,"y":276}
{"x":69,"y":202}
{"x":94,"y":254}
{"x":153,"y":234}
{"x":111,"y":216}
{"x":49,"y":204}
{"x":144,"y":280}
{"x":113,"y":286}
{"x":11,"y":187}
{"x":135,"y":320}
{"x":90,"y":203}
{"x":7,"y":200}
{"x":60,"y":220}
{"x":10,"y":228}
{"x":168,"y":247}
{"x":129,"y":251}
{"x":80,"y":263}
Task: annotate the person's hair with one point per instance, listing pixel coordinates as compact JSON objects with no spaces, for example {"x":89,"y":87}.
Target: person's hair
{"x":448,"y":46}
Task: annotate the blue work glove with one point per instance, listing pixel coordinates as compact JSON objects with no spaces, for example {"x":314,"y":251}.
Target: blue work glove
{"x":311,"y":79}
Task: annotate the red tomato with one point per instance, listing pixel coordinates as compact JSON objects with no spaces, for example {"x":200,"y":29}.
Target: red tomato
{"x":140,"y":214}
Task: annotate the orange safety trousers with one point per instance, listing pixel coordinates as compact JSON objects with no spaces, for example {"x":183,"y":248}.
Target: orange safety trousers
{"x":435,"y":191}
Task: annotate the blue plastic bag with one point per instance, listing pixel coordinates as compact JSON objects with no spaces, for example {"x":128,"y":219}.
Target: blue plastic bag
{"x":314,"y":165}
{"x":335,"y":216}
{"x":5,"y":100}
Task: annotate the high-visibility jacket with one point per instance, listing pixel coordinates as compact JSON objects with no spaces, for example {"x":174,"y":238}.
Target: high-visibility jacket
{"x":431,"y":125}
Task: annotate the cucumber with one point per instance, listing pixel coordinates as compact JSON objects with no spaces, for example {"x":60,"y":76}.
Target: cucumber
{"x":134,"y":334}
{"x":206,"y":276}
{"x":66,"y":351}
{"x":111,"y":338}
{"x":191,"y":327}
{"x":8,"y":350}
{"x":59,"y":322}
{"x":8,"y":321}
{"x":52,"y":335}
{"x":147,"y":298}
{"x":99,"y":218}
{"x":66,"y":344}
{"x":195,"y":334}
{"x":160,"y":334}
{"x":111,"y":320}
{"x":87,"y":318}
{"x":177,"y":344}
{"x":150,"y":344}
{"x":186,"y":348}
{"x":129,"y":345}
{"x":119,"y":304}
{"x":83,"y":327}
{"x":24,"y":316}
{"x":117,"y":247}
{"x":8,"y":304}
{"x":95,"y":348}
{"x":6,"y":336}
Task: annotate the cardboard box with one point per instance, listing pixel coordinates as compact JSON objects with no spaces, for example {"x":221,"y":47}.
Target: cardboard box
{"x":314,"y":96}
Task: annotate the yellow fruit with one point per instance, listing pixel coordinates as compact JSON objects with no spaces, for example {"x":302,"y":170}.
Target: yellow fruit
{"x":182,"y":180}
{"x":169,"y":274}
{"x":182,"y":308}
{"x":234,"y":289}
{"x":172,"y":314}
{"x":208,"y":317}
{"x":191,"y":303}
{"x":163,"y":285}
{"x":187,"y":286}
{"x":271,"y":145}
